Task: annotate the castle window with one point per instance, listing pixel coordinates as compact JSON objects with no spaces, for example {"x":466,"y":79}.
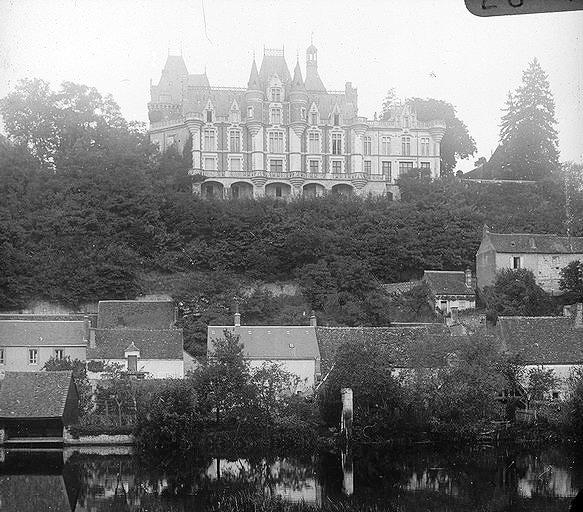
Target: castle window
{"x":367,"y":166}
{"x":235,"y":141}
{"x":303,"y":113}
{"x":250,"y":112}
{"x":406,"y":146}
{"x":336,"y":166}
{"x":336,"y":143}
{"x":313,"y":142}
{"x":276,"y":94}
{"x":406,"y":122}
{"x":424,"y":146}
{"x":276,"y":166}
{"x":314,"y":166}
{"x":387,"y":171}
{"x":367,"y":145}
{"x":336,"y":119}
{"x":275,"y":116}
{"x":209,"y":164}
{"x":386,"y":145}
{"x":235,"y":164}
{"x":426,"y":165}
{"x":209,"y":116}
{"x":405,"y":167}
{"x":276,"y":142}
{"x":314,"y":118}
{"x":209,"y":140}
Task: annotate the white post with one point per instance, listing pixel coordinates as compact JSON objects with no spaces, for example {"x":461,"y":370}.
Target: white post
{"x":346,"y":419}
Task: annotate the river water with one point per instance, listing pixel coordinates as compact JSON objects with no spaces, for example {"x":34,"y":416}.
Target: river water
{"x":423,"y":479}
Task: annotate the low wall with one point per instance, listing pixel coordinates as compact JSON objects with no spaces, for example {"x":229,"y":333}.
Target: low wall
{"x":101,"y":439}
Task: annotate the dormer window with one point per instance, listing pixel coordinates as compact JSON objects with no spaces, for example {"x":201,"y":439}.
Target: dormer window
{"x":336,"y":119}
{"x":314,"y":118}
{"x":406,"y":122}
{"x":276,"y":94}
{"x":209,"y":116}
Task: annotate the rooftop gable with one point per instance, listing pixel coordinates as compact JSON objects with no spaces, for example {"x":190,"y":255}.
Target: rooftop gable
{"x":34,"y":394}
{"x":270,"y":342}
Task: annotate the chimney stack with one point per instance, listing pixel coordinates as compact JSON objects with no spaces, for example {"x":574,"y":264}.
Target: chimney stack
{"x":237,"y":316}
{"x":579,"y":316}
{"x":313,"y":320}
{"x":468,"y":274}
{"x":91,"y":338}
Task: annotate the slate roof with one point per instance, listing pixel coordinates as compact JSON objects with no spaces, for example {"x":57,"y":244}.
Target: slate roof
{"x":535,"y":243}
{"x":92,"y":317}
{"x":272,"y":64}
{"x":542,"y":340}
{"x":271,"y":342}
{"x":406,"y":347}
{"x":152,"y":344}
{"x":448,"y":282}
{"x":398,"y":288}
{"x":132,"y":314}
{"x":41,"y":333}
{"x":34,"y":394}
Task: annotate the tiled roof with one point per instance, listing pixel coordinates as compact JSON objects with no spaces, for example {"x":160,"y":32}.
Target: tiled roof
{"x":92,"y":317}
{"x":221,"y":100}
{"x":447,"y":282}
{"x":407,"y":347}
{"x":152,"y":344}
{"x":542,"y":340}
{"x":271,"y":342}
{"x":132,"y":314}
{"x":398,"y":288}
{"x":40,"y":333}
{"x":535,"y":243}
{"x":34,"y":394}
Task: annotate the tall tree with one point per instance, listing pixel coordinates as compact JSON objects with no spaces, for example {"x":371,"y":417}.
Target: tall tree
{"x":456,"y":142}
{"x":527,"y":132}
{"x":572,"y":280}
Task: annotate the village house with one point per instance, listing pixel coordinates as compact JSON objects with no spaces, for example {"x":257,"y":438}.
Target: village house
{"x":552,"y":343}
{"x":27,"y":344}
{"x":140,"y":337}
{"x":295,"y":347}
{"x":543,"y":254}
{"x":36,"y":407}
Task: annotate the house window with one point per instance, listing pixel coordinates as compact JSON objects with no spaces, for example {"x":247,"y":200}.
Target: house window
{"x":209,"y":164}
{"x":556,"y":395}
{"x":32,"y":356}
{"x":276,"y":165}
{"x":336,"y":119}
{"x":424,"y":147}
{"x":314,"y":118}
{"x":250,"y":112}
{"x":276,"y":142}
{"x":59,"y":354}
{"x":367,"y":166}
{"x":425,"y":165}
{"x":386,"y":145}
{"x":443,"y":306}
{"x":132,"y":363}
{"x":235,"y":164}
{"x":336,"y":166}
{"x":367,"y":145}
{"x":275,"y":116}
{"x":314,"y":166}
{"x":516,"y":262}
{"x":235,"y":140}
{"x":276,"y":94}
{"x":209,"y":140}
{"x":406,"y":146}
{"x":336,"y":143}
{"x":405,"y":167}
{"x":209,"y":116}
{"x":2,"y":361}
{"x":313,"y":142}
{"x":387,"y":171}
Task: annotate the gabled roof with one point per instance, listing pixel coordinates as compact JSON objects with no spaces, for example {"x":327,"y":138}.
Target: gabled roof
{"x":270,"y":342}
{"x":31,"y":333}
{"x":448,"y":282}
{"x":34,"y":394}
{"x":535,"y":243}
{"x":407,"y":347}
{"x":542,"y":340}
{"x":133,"y":314}
{"x":159,"y":344}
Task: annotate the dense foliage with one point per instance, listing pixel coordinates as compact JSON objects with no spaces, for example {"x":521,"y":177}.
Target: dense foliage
{"x":572,"y":280}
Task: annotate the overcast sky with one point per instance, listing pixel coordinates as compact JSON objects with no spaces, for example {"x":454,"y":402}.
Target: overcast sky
{"x":426,"y":48}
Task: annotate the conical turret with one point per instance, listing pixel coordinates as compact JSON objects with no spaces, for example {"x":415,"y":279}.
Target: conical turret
{"x":313,"y":80}
{"x":298,"y":82}
{"x":253,"y":84}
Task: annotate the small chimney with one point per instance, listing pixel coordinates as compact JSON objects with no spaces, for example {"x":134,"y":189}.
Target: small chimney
{"x":579,"y":316}
{"x":313,"y":319}
{"x":91,"y":338}
{"x":237,"y":316}
{"x":468,"y":274}
{"x":532,"y":243}
{"x":87,"y":327}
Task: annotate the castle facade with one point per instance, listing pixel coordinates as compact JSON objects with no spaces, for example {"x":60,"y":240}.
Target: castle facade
{"x":283,"y":136}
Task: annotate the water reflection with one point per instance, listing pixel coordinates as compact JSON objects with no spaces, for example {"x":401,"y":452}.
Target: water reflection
{"x":96,"y":480}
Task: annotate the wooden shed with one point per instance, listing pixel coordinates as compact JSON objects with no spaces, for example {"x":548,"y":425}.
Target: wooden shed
{"x":35,"y":407}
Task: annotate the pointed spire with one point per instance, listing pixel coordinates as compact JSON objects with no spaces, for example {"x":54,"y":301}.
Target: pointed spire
{"x":253,"y":83}
{"x":298,"y":81}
